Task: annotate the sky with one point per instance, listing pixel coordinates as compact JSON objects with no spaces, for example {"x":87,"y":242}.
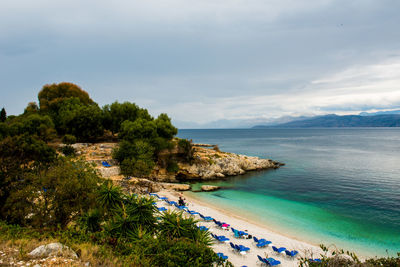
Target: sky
{"x":206,"y":62}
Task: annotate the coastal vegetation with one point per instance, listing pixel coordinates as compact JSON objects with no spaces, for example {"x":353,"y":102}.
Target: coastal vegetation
{"x":46,"y":195}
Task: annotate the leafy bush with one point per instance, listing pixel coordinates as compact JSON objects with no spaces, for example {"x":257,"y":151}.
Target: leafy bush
{"x":69,"y":139}
{"x":187,"y":148}
{"x":172,"y":166}
{"x":137,"y":168}
{"x":68,"y":151}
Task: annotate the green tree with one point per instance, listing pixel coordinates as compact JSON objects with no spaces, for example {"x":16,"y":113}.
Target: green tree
{"x":52,"y":95}
{"x":64,"y":192}
{"x":32,"y":107}
{"x":82,"y":121}
{"x":20,"y":156}
{"x":3,"y":115}
{"x":165,"y":129}
{"x":138,"y":129}
{"x":116,"y":113}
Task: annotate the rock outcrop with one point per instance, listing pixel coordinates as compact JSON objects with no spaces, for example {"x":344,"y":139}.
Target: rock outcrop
{"x":52,"y":249}
{"x":207,"y":188}
{"x":176,"y":187}
{"x":212,"y":164}
{"x":208,"y":163}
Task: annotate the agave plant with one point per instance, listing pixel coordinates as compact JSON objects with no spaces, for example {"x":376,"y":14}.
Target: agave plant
{"x":90,"y":221}
{"x":110,"y":197}
{"x":142,"y":210}
{"x":174,"y":226}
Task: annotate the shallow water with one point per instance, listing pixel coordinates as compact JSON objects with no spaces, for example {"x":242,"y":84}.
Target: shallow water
{"x":339,"y":186}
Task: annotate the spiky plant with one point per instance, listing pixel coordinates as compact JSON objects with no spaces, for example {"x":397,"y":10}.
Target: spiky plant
{"x":174,"y":226}
{"x":90,"y":221}
{"x":110,"y":197}
{"x":142,"y":210}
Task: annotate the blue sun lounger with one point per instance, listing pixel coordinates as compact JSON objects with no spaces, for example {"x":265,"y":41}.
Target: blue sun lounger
{"x":272,"y":262}
{"x":202,"y":228}
{"x":278,"y":250}
{"x":192,"y":212}
{"x":314,"y":260}
{"x":162,"y":209}
{"x":206,"y":218}
{"x":261,"y":242}
{"x":220,"y":238}
{"x":292,"y":253}
{"x":222,"y":256}
{"x":105,"y":164}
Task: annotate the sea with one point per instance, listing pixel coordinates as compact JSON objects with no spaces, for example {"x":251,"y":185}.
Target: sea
{"x":339,"y":187}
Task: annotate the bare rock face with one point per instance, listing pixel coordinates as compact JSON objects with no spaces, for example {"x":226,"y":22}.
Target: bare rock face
{"x":176,"y":187}
{"x":109,"y":171}
{"x":209,"y":188}
{"x":52,"y":249}
{"x":211,"y":164}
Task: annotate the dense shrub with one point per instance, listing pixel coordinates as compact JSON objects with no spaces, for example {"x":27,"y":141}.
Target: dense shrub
{"x":68,"y":151}
{"x":69,"y":139}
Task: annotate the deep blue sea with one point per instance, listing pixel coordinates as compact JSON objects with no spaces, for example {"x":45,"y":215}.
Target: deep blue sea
{"x":339,"y":186}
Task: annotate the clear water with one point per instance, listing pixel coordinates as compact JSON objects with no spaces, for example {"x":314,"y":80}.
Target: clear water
{"x":339,"y":186}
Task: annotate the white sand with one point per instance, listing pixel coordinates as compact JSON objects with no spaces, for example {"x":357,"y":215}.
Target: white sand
{"x":240,"y":223}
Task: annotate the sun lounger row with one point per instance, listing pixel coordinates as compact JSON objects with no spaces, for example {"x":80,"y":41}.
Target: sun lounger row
{"x":239,"y":234}
{"x":222,"y":256}
{"x":222,"y":225}
{"x":220,"y":238}
{"x":268,"y":261}
{"x":261,"y":242}
{"x":239,"y":248}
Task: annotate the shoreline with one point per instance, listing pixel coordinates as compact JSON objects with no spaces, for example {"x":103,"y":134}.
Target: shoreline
{"x":253,"y":227}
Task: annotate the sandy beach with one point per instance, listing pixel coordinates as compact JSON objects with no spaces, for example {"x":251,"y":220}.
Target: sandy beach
{"x":254,"y":229}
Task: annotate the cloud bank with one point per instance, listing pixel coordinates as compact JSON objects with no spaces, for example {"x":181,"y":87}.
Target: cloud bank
{"x":203,"y":61}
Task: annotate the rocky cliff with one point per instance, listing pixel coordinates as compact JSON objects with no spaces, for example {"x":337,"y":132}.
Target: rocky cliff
{"x":208,"y":163}
{"x":211,"y":164}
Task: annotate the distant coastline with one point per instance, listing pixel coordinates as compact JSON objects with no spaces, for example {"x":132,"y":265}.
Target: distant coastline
{"x":336,"y":121}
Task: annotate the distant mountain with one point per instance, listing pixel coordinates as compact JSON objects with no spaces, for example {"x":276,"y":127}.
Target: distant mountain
{"x":236,"y":123}
{"x":390,"y":120}
{"x":380,"y":113}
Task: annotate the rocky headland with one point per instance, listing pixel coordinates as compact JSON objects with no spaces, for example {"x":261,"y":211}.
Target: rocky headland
{"x":207,"y":163}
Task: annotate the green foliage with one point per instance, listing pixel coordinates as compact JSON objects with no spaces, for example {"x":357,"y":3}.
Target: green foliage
{"x":187,"y":149}
{"x":109,"y":197}
{"x":69,"y":139}
{"x":64,"y":192}
{"x":3,"y":115}
{"x":4,"y":130}
{"x":138,"y":129}
{"x":173,"y":226}
{"x":165,"y":129}
{"x":33,"y":124}
{"x":52,"y":95}
{"x":137,"y":168}
{"x":183,"y":252}
{"x":68,"y":151}
{"x":116,"y":113}
{"x":389,"y":261}
{"x":32,"y":107}
{"x":82,"y":121}
{"x":90,"y":221}
{"x":172,"y":166}
{"x":136,"y":157}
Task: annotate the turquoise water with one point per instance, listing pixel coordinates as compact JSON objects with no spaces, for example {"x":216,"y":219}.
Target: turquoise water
{"x":339,"y":186}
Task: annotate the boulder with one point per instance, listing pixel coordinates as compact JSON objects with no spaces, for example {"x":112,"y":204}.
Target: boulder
{"x":176,"y":187}
{"x":209,"y":187}
{"x":109,"y":171}
{"x":52,"y":249}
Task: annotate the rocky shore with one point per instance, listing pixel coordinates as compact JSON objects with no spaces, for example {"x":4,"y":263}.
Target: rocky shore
{"x":208,"y":163}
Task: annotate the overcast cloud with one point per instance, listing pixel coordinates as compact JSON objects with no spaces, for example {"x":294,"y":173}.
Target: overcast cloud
{"x":202,"y":61}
